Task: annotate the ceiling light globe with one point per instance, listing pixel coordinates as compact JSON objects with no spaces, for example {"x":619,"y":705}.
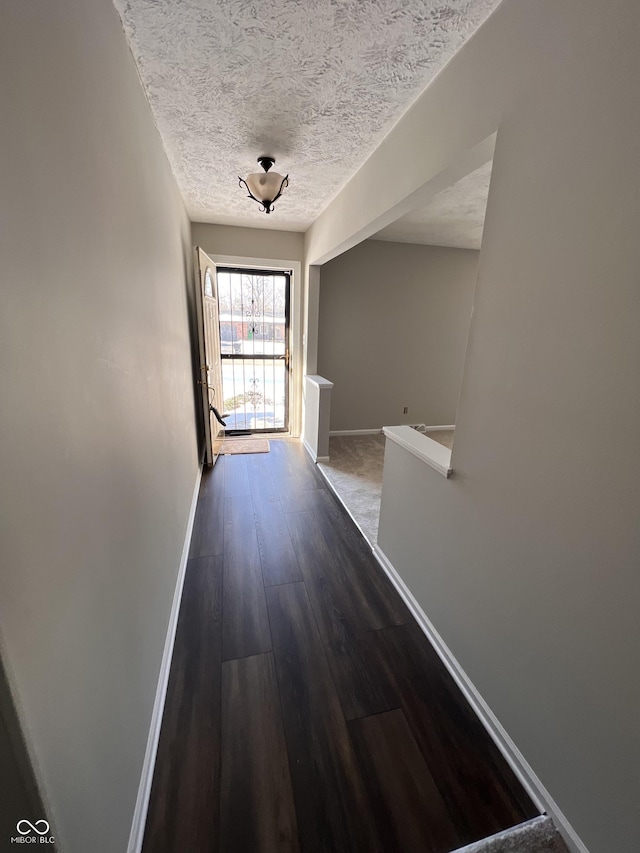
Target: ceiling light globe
{"x":265,"y":185}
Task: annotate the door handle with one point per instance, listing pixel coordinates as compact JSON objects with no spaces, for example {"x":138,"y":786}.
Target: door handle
{"x":218,"y":415}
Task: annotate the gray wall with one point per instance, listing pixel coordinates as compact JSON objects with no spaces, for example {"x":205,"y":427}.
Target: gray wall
{"x":248,"y":242}
{"x":528,"y":559}
{"x":394,"y":321}
{"x":98,"y":459}
{"x":19,"y":796}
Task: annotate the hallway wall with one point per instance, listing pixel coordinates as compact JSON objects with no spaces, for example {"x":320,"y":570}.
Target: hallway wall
{"x":527,"y":559}
{"x":99,"y":458}
{"x":394,"y":322}
{"x":248,"y":242}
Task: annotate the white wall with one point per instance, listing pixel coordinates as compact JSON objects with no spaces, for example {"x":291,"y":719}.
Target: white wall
{"x":527,"y":559}
{"x":98,"y":458}
{"x":394,"y":321}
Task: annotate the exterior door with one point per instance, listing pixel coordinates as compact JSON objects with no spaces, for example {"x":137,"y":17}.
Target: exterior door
{"x":254,"y":334}
{"x":210,"y":378}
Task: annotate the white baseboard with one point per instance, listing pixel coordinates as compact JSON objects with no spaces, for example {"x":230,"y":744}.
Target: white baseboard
{"x":355,"y":432}
{"x":523,"y":770}
{"x":378,"y":431}
{"x":142,"y":802}
{"x":312,"y":454}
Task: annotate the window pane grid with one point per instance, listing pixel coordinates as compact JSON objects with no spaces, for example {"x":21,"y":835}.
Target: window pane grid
{"x":254,"y":335}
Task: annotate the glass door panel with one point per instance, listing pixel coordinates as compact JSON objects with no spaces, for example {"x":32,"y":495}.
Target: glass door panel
{"x":254,"y":335}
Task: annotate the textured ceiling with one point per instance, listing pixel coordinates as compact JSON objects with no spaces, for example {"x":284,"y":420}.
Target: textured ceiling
{"x":453,"y":217}
{"x":315,"y":83}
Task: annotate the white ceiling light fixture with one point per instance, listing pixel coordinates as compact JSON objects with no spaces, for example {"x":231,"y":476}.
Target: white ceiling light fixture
{"x":265,"y":187}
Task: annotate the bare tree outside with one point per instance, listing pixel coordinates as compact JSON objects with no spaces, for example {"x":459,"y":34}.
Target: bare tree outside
{"x":260,"y":295}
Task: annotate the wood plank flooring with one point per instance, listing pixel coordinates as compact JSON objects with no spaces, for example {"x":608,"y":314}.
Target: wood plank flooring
{"x":306,"y":712}
{"x":183,"y":808}
{"x":410,"y":811}
{"x":256,"y":800}
{"x":245,"y":625}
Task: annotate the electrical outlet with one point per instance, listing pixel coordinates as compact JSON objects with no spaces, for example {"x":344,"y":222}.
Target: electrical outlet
{"x":405,"y":411}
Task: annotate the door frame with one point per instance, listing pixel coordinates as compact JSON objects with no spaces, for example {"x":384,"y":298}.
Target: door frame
{"x":295,"y":324}
{"x":286,"y":357}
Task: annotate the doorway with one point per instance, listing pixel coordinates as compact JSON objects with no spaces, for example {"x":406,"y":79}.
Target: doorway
{"x":254,"y":316}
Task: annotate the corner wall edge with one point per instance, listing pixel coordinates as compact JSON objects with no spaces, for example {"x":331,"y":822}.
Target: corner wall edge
{"x":516,"y":760}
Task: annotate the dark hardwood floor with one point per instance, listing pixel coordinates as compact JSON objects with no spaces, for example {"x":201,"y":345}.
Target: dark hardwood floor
{"x":306,"y":712}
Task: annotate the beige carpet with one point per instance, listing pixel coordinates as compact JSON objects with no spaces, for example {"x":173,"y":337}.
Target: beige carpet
{"x":245,"y":445}
{"x":535,"y":836}
{"x":354,"y":471}
{"x":442,"y":436}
